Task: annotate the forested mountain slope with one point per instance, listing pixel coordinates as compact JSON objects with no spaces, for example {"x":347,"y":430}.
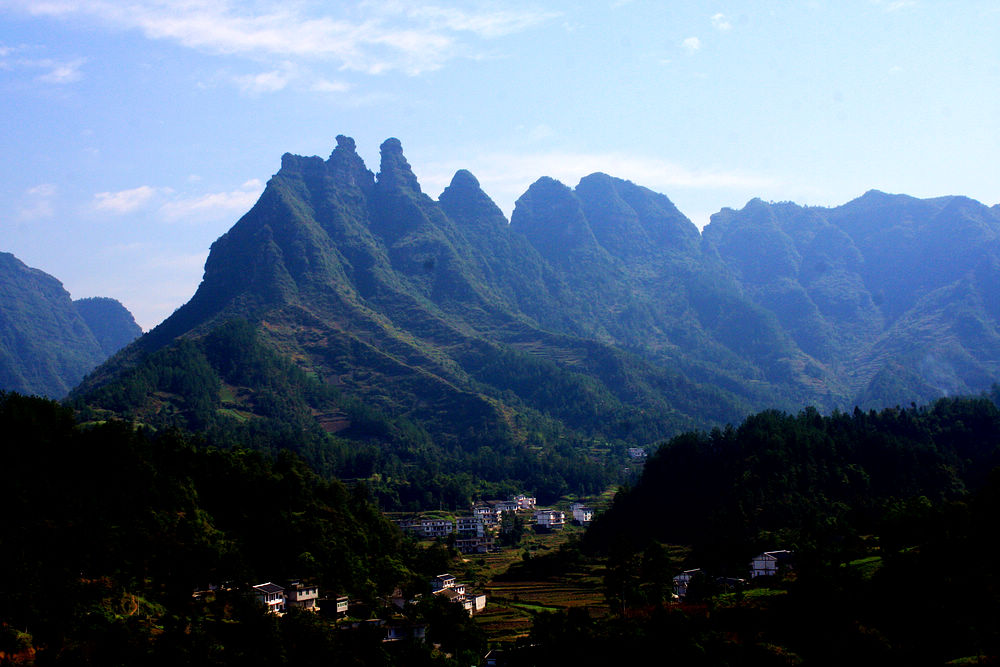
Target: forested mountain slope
{"x":897,"y":296}
{"x":48,"y":342}
{"x":402,"y":330}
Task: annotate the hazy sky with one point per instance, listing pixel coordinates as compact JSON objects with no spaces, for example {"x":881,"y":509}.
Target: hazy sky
{"x":136,"y":132}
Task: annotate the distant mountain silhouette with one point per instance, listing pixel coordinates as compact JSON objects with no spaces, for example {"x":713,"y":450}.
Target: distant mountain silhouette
{"x":48,"y":342}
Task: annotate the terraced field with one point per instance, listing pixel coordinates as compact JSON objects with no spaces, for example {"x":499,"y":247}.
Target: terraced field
{"x":512,"y":604}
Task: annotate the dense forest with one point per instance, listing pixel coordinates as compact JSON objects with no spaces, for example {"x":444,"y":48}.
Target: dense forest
{"x":108,"y":530}
{"x":891,"y":517}
{"x":232,"y":388}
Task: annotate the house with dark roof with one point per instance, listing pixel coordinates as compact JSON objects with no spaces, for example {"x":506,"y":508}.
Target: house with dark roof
{"x":446,"y":586}
{"x":272,"y":596}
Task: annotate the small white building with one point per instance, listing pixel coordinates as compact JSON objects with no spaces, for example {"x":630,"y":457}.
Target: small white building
{"x":475,"y":544}
{"x":272,"y":596}
{"x":524,"y":503}
{"x":442,"y":581}
{"x":581,"y":513}
{"x":501,"y":506}
{"x":637,"y":453}
{"x":445,"y":585}
{"x":302,"y":595}
{"x":770,"y":563}
{"x":470,"y":525}
{"x":549,"y":519}
{"x":436,"y":527}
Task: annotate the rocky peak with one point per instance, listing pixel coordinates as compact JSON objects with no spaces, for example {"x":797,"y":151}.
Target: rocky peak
{"x":394,"y":170}
{"x":550,"y":215}
{"x":463,"y":180}
{"x":466,"y":203}
{"x":346,"y":166}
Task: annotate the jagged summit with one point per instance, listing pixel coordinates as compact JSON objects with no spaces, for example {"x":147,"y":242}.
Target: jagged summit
{"x":464,"y":180}
{"x":467,"y":204}
{"x":346,"y":143}
{"x":394,"y":170}
{"x":347,"y":167}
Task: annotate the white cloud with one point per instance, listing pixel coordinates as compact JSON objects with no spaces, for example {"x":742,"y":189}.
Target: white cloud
{"x":265,"y":82}
{"x":327,"y":86}
{"x":124,"y":201}
{"x":506,"y":176}
{"x":60,"y":72}
{"x":43,"y":190}
{"x":370,"y":37}
{"x":39,"y":202}
{"x":721,"y":23}
{"x":485,"y":24}
{"x":899,"y":4}
{"x":214,"y":204}
{"x":691,"y":44}
{"x":55,"y":71}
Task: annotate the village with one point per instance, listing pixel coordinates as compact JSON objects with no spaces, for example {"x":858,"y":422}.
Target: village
{"x":474,"y":533}
{"x":478,"y":533}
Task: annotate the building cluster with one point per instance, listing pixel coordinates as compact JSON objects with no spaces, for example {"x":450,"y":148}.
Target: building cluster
{"x":475,"y":532}
{"x":444,"y":585}
{"x":279,"y":599}
{"x":767,"y":564}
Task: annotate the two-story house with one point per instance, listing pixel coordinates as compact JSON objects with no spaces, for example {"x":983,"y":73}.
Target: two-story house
{"x":304,"y":596}
{"x":771,"y":563}
{"x":549,"y":520}
{"x":581,"y":513}
{"x":272,"y":596}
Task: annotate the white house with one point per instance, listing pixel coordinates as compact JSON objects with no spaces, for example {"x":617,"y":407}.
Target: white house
{"x":550,"y":519}
{"x":524,"y":503}
{"x":272,"y":596}
{"x":770,"y":563}
{"x":637,"y":453}
{"x":501,"y":506}
{"x":471,"y":525}
{"x":581,"y":513}
{"x":342,"y":605}
{"x":442,"y":581}
{"x":428,"y":528}
{"x":301,"y":595}
{"x":445,"y":585}
{"x":475,"y":544}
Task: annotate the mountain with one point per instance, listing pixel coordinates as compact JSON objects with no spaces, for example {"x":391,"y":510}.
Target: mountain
{"x":895,"y":295}
{"x":352,"y":317}
{"x":111,"y":323}
{"x":48,"y":342}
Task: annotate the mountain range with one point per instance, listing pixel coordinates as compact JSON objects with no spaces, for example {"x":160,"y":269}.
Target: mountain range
{"x":352,"y":306}
{"x":48,"y":341}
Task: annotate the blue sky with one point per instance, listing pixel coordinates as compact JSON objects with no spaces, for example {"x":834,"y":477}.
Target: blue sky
{"x":136,"y":132}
